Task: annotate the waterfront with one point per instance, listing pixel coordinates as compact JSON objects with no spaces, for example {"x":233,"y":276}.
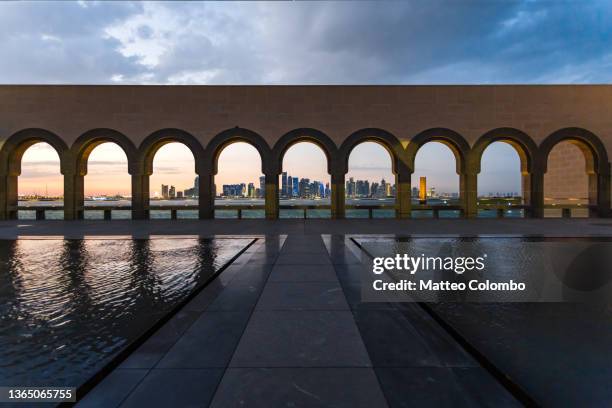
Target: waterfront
{"x":254,"y":213}
{"x":68,"y":306}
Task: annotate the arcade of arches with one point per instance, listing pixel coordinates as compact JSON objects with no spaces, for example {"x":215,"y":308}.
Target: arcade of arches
{"x":561,"y":141}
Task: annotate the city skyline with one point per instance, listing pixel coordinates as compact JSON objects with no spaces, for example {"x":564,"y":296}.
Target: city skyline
{"x":240,"y":162}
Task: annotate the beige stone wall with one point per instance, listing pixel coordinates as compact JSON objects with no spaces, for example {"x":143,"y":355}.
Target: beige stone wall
{"x":566,"y":177}
{"x":338,"y":111}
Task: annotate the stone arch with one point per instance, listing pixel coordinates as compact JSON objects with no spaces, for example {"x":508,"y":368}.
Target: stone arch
{"x":386,"y":139}
{"x":524,"y":145}
{"x":305,"y":135}
{"x":236,"y":135}
{"x":457,"y":143}
{"x":594,"y":151}
{"x":596,"y":161}
{"x":152,"y":143}
{"x":84,"y":145}
{"x":15,"y":146}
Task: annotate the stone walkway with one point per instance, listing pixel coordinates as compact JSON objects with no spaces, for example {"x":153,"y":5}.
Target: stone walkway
{"x":284,"y":326}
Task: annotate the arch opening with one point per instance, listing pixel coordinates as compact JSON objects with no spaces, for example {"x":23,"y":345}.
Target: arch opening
{"x":435,"y":181}
{"x":570,"y":181}
{"x":503,"y":180}
{"x":173,"y":181}
{"x":40,"y":182}
{"x":304,"y":182}
{"x":239,"y":184}
{"x":107,"y":182}
{"x":370,"y":181}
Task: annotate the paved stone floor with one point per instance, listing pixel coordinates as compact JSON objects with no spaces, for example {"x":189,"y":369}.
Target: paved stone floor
{"x":284,"y":326}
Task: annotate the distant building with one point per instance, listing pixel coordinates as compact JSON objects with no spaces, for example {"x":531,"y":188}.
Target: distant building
{"x":234,"y":190}
{"x":415,"y":192}
{"x":172,"y":192}
{"x":164,"y":191}
{"x":251,"y":190}
{"x":327,"y":190}
{"x":284,"y":184}
{"x":179,"y":194}
{"x":262,"y":186}
{"x":296,"y":187}
{"x":423,"y":188}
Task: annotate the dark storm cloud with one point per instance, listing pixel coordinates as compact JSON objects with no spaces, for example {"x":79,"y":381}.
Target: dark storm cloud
{"x":298,"y":42}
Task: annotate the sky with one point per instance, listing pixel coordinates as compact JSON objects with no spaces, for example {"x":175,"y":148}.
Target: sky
{"x":416,"y":42}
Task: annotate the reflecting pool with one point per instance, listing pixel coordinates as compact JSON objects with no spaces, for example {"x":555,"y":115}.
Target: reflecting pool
{"x":67,"y":307}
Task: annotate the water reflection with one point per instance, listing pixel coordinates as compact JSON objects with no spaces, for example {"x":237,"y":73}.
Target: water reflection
{"x":68,"y":306}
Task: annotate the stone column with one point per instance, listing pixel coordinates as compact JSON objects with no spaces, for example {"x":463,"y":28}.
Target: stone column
{"x":533,"y":193}
{"x":599,"y":195}
{"x":271,"y":196}
{"x":140,"y":196}
{"x":74,"y":196}
{"x":206,"y":195}
{"x":403,"y":206}
{"x":338,"y":209}
{"x":8,"y":197}
{"x":468,"y":186}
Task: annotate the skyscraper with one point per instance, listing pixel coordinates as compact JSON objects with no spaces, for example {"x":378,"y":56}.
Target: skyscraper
{"x":196,"y":186}
{"x":296,"y":187}
{"x":423,"y":188}
{"x":262,"y":186}
{"x":284,"y":184}
{"x":289,"y":192}
{"x":172,"y":192}
{"x":251,"y":192}
{"x":164,"y":191}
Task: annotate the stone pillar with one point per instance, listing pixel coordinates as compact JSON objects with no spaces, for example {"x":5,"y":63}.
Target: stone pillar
{"x":403,"y":206}
{"x":599,"y":195}
{"x":206,"y":195}
{"x":338,"y":209}
{"x":468,"y":186}
{"x":140,"y":196}
{"x":74,"y":196}
{"x":271,"y":196}
{"x":8,"y":197}
{"x":533,"y":192}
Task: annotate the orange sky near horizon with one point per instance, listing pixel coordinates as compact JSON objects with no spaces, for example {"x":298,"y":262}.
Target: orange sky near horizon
{"x":240,"y":163}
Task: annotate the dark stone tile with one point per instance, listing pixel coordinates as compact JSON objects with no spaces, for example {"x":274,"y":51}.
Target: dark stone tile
{"x":303,"y":273}
{"x":352,"y":293}
{"x":442,"y":387}
{"x":252,"y":274}
{"x":257,"y":258}
{"x":450,"y":353}
{"x":175,"y":388}
{"x":236,"y":298}
{"x":299,"y":387}
{"x":392,"y":340}
{"x":301,"y":339}
{"x":156,"y":346}
{"x":209,"y":342}
{"x":302,"y":296}
{"x":294,"y":258}
{"x":351,"y":273}
{"x":113,"y":389}
{"x":304,"y":246}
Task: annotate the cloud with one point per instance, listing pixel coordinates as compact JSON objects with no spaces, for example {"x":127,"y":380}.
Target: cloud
{"x":306,"y":43}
